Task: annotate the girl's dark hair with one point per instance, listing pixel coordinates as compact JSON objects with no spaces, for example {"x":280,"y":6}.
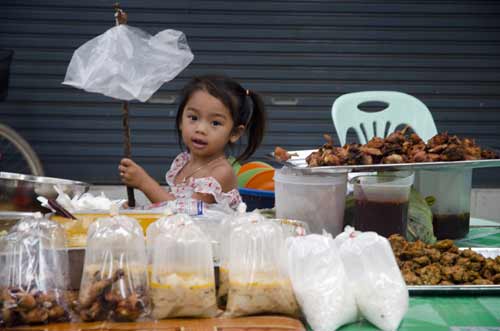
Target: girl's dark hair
{"x":246,"y":107}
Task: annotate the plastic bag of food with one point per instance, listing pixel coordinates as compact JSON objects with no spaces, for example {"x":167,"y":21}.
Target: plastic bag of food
{"x":182,"y":275}
{"x":379,"y":287}
{"x":228,"y":224}
{"x":320,"y":282}
{"x":156,"y":227}
{"x":114,"y":283}
{"x":210,"y":223}
{"x":34,"y":274}
{"x":348,"y":232}
{"x":258,"y":277}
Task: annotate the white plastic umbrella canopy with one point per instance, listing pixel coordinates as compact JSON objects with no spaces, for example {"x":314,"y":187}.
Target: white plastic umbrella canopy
{"x":127,"y":63}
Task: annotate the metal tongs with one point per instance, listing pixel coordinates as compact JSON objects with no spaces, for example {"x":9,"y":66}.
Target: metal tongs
{"x":60,"y":210}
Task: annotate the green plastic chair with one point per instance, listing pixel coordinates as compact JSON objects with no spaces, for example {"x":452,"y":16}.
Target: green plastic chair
{"x":402,"y":109}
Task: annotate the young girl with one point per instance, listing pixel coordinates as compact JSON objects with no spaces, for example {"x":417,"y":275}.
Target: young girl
{"x":214,"y":113}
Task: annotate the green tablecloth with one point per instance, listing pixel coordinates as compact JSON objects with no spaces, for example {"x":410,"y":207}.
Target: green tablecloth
{"x":481,"y":237}
{"x":455,"y":313}
{"x":446,"y":313}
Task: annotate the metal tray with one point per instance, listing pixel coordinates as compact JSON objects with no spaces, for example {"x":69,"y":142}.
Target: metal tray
{"x":490,"y":252}
{"x":299,"y":162}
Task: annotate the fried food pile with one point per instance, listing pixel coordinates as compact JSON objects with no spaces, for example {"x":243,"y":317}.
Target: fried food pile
{"x":443,"y":264}
{"x":100,"y":299}
{"x":33,"y":307}
{"x":282,"y":154}
{"x":399,"y":147}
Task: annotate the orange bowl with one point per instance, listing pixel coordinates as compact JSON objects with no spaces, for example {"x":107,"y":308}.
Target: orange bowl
{"x":269,"y":186}
{"x":253,"y":165}
{"x":244,"y":177}
{"x":261,"y":179}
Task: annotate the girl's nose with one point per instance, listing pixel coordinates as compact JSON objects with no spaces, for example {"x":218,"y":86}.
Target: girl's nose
{"x":201,"y":127}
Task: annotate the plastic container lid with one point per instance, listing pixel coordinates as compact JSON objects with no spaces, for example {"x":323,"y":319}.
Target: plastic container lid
{"x":383,"y":187}
{"x":291,"y":176}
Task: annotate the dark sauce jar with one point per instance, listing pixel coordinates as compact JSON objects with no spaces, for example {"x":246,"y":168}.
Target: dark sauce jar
{"x":448,"y":190}
{"x":381,"y":202}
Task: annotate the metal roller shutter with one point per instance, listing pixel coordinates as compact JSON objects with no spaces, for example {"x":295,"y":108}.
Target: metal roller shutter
{"x":300,"y":55}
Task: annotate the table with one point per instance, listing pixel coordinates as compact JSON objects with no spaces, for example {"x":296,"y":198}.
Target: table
{"x":433,"y":313}
{"x":251,"y":323}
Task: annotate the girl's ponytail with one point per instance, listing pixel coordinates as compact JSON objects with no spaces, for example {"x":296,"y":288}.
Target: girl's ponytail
{"x":255,"y":124}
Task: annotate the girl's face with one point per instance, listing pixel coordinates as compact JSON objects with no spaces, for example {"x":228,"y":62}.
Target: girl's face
{"x":207,"y":125}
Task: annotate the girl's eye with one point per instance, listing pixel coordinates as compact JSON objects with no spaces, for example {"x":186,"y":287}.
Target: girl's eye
{"x":216,"y":123}
{"x":192,"y":117}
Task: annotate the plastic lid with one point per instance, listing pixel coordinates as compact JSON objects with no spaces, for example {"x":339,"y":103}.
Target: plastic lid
{"x":292,"y":176}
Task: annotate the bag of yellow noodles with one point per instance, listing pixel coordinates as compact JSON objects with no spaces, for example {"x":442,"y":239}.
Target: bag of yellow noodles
{"x":258,"y":277}
{"x":182,"y":275}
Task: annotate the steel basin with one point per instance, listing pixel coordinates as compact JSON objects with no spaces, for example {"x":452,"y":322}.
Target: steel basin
{"x":18,"y":192}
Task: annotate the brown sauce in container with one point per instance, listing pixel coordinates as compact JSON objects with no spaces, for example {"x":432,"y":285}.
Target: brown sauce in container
{"x":452,"y":226}
{"x":385,"y":218}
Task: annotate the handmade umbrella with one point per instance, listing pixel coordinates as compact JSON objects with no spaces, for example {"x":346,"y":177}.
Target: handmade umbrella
{"x":127,"y":63}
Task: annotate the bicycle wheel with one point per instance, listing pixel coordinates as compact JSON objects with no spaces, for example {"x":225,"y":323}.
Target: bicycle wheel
{"x":16,"y":154}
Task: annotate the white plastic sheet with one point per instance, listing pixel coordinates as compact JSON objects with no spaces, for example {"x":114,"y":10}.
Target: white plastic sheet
{"x":127,"y":63}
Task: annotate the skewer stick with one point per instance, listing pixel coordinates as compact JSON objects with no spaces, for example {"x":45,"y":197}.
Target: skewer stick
{"x":127,"y":150}
{"x":121,"y":18}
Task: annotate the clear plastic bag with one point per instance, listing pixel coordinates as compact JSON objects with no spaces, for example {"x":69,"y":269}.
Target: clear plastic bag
{"x":320,"y":282}
{"x":210,"y":224}
{"x":342,"y":237}
{"x":258,"y":277}
{"x":127,"y":63}
{"x":182,"y":275}
{"x":379,"y":287}
{"x":114,"y":283}
{"x":34,"y":274}
{"x":228,"y":224}
{"x":157,"y":227}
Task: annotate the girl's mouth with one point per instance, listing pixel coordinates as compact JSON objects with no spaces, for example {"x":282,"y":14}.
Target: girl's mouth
{"x":198,"y":143}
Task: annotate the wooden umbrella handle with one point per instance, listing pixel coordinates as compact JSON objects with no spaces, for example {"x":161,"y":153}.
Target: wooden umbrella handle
{"x":127,"y":151}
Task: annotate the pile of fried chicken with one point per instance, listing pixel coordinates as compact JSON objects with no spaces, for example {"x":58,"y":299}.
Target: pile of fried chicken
{"x":398,"y":147}
{"x":443,"y":264}
{"x":30,"y":307}
{"x":100,"y":299}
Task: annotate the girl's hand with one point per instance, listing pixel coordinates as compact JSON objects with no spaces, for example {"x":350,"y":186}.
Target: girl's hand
{"x":132,"y":174}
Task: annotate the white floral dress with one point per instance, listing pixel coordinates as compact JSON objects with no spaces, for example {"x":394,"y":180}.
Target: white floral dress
{"x":206,"y":185}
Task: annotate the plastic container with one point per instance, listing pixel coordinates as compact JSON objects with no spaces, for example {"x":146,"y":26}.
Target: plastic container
{"x":449,"y":191}
{"x":257,"y":199}
{"x":316,"y":198}
{"x":381,"y":202}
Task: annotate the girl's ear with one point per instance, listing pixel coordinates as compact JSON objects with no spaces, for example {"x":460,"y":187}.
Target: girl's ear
{"x":237,"y":133}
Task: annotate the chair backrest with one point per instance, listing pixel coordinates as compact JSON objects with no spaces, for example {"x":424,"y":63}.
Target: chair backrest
{"x":402,"y":109}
